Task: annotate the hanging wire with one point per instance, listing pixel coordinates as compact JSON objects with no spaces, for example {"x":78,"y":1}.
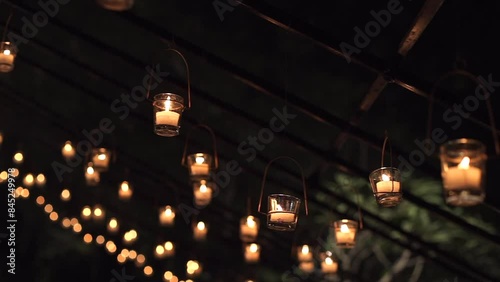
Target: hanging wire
{"x":386,"y":140}
{"x":207,"y":128}
{"x":6,"y":29}
{"x":265,"y":176}
{"x":489,"y":107}
{"x":187,"y":76}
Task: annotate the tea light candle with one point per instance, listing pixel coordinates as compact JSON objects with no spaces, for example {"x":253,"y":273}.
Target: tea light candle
{"x":462,"y":176}
{"x":68,"y":151}
{"x":113,"y":226}
{"x":249,"y":229}
{"x":329,"y":265}
{"x":278,"y":215}
{"x":125,"y":191}
{"x":304,"y":254}
{"x":388,"y":186}
{"x":203,"y":195}
{"x":200,"y":168}
{"x":167,"y":216}
{"x":307,"y":267}
{"x":101,"y":160}
{"x":167,"y":117}
{"x":252,"y":253}
{"x":345,"y":235}
{"x":169,"y":249}
{"x":200,"y":231}
{"x":6,"y":58}
{"x":92,"y":176}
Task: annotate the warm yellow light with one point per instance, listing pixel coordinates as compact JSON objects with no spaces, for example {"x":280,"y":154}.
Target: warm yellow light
{"x":464,"y":164}
{"x":74,"y":221}
{"x":200,"y":226}
{"x":189,"y":280}
{"x":141,"y":258}
{"x":25,"y":193}
{"x":125,"y":253}
{"x":148,"y":271}
{"x":120,"y":258}
{"x":4,"y":175}
{"x":28,"y":180}
{"x":86,"y":212}
{"x":133,"y":233}
{"x":97,"y":212}
{"x":254,"y":248}
{"x":100,"y":240}
{"x":111,"y":247}
{"x":168,"y":211}
{"x":251,"y":221}
{"x":167,"y":104}
{"x":48,"y":208}
{"x":90,"y":170}
{"x":132,"y":254}
{"x":113,"y":223}
{"x":77,"y":228}
{"x":305,"y":249}
{"x":203,"y":188}
{"x":40,"y":179}
{"x":65,"y":195}
{"x":125,"y":186}
{"x":101,"y":157}
{"x":53,"y":216}
{"x":328,"y":260}
{"x":194,"y":265}
{"x":344,"y":228}
{"x":18,"y":157}
{"x":168,"y":275}
{"x":15,"y":172}
{"x":87,"y":238}
{"x":200,"y":159}
{"x":385,"y":178}
{"x":169,"y":246}
{"x":18,"y":192}
{"x":6,"y":52}
{"x":66,"y":223}
{"x":160,"y":250}
{"x":68,"y":147}
{"x":174,"y":279}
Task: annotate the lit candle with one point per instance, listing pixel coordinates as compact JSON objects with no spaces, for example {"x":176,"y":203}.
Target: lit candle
{"x":200,"y":168}
{"x":329,"y":265}
{"x":252,"y":253}
{"x":279,"y":216}
{"x":304,"y":254}
{"x":462,"y":176}
{"x":167,"y":117}
{"x":113,"y":226}
{"x":167,"y":216}
{"x":249,"y":229}
{"x":6,"y":59}
{"x":101,"y":160}
{"x":125,"y":191}
{"x":200,"y":231}
{"x":388,"y":186}
{"x":345,"y":235}
{"x":98,"y":213}
{"x":92,"y":176}
{"x":307,"y":267}
{"x":169,"y":249}
{"x":68,"y":151}
{"x":203,"y":195}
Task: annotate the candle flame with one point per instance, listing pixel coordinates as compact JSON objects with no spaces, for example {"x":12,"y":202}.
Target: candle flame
{"x":254,"y":248}
{"x":385,"y":178}
{"x":125,"y":186}
{"x":329,"y":261}
{"x":68,"y":147}
{"x":203,"y":188}
{"x":6,"y":52}
{"x":250,"y":222}
{"x":169,"y":246}
{"x":90,"y":170}
{"x":201,"y":225}
{"x":113,"y":223}
{"x":101,"y":157}
{"x":344,"y":228}
{"x":167,"y":104}
{"x":305,"y":249}
{"x":464,"y":164}
{"x":200,"y":160}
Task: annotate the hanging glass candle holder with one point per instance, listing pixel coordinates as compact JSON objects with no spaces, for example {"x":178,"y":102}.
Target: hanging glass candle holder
{"x":386,"y":183}
{"x":203,"y":192}
{"x":168,"y":107}
{"x":8,"y":52}
{"x":345,"y":233}
{"x":200,"y":164}
{"x":125,"y":191}
{"x":463,"y":166}
{"x":328,"y":263}
{"x":166,"y":216}
{"x":116,"y":5}
{"x":249,"y":229}
{"x":252,"y":253}
{"x":283,"y":210}
{"x":304,"y":253}
{"x":101,"y":158}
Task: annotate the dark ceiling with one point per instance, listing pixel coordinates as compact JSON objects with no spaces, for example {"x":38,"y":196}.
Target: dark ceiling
{"x":257,"y":58}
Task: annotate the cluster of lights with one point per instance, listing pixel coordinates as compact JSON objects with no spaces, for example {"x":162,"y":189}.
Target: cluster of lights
{"x":193,"y":268}
{"x":165,"y":250}
{"x":130,"y":236}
